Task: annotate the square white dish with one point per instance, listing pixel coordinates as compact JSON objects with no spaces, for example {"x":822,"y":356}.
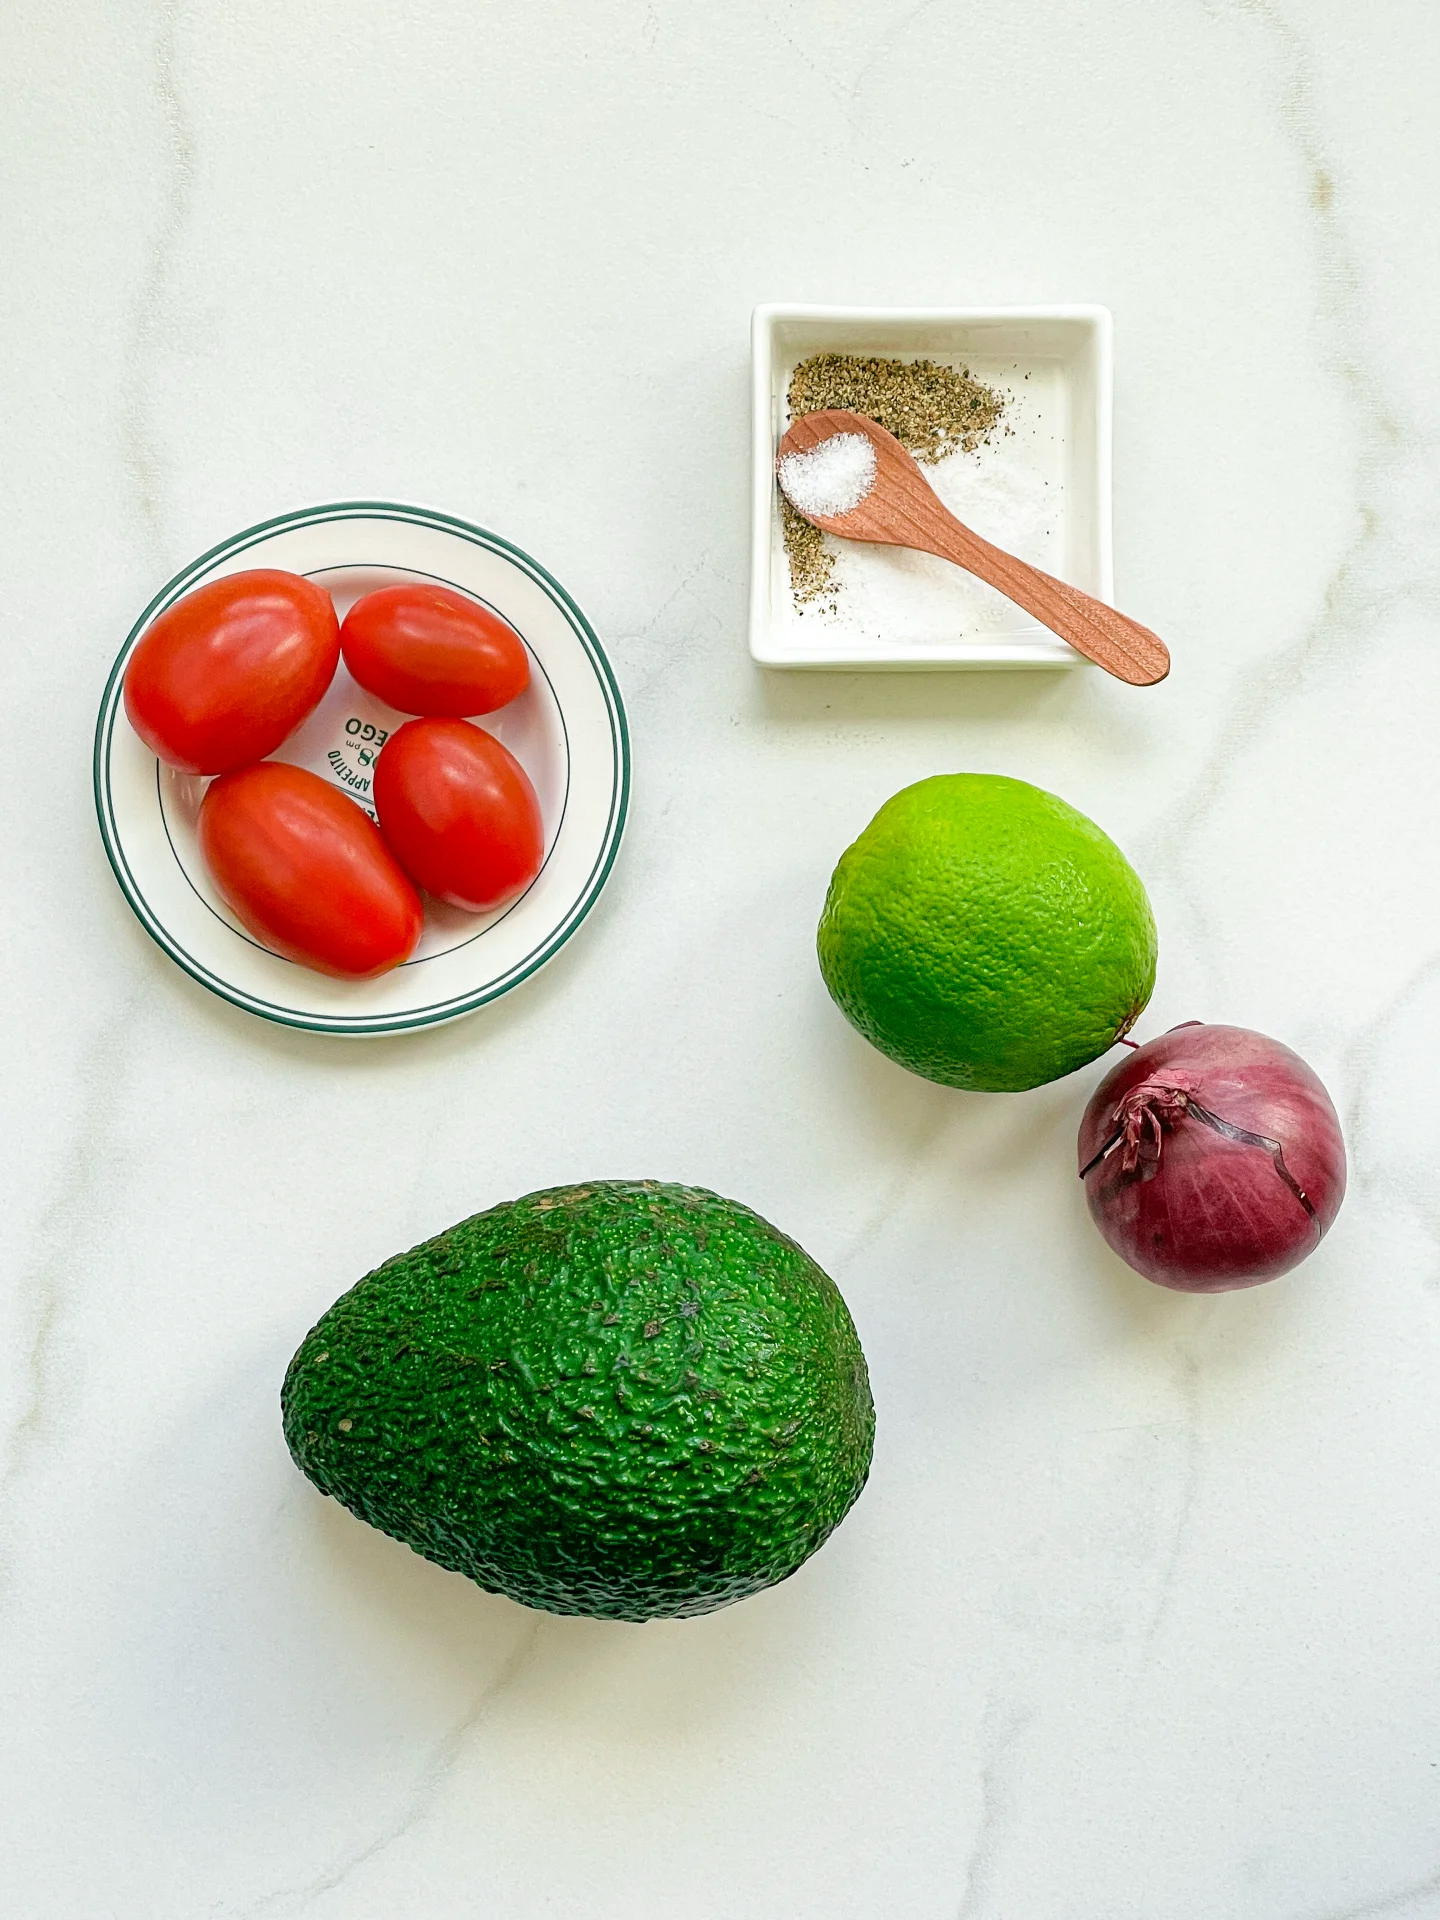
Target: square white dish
{"x":1046,"y":497}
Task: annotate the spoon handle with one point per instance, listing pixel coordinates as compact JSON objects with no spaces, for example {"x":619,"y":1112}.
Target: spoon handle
{"x":1112,"y":640}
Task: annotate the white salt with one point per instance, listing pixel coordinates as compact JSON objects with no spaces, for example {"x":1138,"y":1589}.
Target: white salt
{"x":1012,"y":490}
{"x":833,"y":477}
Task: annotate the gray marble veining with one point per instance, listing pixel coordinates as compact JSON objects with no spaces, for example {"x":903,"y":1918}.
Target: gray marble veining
{"x":1136,"y":1618}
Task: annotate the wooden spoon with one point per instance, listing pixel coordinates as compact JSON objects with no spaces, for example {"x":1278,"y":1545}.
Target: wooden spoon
{"x":902,"y":510}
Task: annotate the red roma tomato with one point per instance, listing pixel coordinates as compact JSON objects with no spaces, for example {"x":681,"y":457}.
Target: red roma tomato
{"x":428,"y":650}
{"x":460,"y":813}
{"x":307,"y":871}
{"x":229,"y":672}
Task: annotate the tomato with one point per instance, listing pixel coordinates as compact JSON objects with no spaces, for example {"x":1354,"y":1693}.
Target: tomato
{"x":429,"y":650}
{"x":460,"y":813}
{"x":229,"y":672}
{"x":307,"y":871}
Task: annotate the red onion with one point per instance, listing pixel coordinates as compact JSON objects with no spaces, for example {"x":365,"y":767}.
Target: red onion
{"x":1212,"y":1158}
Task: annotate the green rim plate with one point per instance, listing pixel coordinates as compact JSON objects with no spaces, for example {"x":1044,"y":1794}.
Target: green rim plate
{"x":568,"y":730}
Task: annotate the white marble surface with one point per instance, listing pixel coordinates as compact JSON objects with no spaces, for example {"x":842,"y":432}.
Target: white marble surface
{"x":1137,"y":1619}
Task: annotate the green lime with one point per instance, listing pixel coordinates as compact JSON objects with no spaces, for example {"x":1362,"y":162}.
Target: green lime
{"x":985,"y":935}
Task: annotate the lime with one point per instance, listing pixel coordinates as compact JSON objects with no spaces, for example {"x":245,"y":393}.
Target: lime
{"x":983,"y":934}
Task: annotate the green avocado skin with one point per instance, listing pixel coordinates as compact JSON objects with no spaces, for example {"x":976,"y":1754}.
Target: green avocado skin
{"x":625,"y":1399}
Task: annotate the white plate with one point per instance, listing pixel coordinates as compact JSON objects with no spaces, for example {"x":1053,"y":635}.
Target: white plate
{"x":1056,"y":362}
{"x":567,"y":730}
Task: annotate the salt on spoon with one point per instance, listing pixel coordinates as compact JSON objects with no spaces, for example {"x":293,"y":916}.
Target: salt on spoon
{"x":834,"y":477}
{"x":885,"y":498}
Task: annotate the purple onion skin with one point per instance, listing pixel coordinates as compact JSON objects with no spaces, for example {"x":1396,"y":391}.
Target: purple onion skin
{"x":1183,"y":1201}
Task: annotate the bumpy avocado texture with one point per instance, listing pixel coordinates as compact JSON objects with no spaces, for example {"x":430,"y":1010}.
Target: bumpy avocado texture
{"x":623,"y":1399}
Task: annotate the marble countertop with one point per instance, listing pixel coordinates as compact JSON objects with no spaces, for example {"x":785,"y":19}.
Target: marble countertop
{"x":1137,"y":1617}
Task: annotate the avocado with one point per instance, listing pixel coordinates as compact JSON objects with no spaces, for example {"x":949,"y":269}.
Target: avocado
{"x":626,"y":1399}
